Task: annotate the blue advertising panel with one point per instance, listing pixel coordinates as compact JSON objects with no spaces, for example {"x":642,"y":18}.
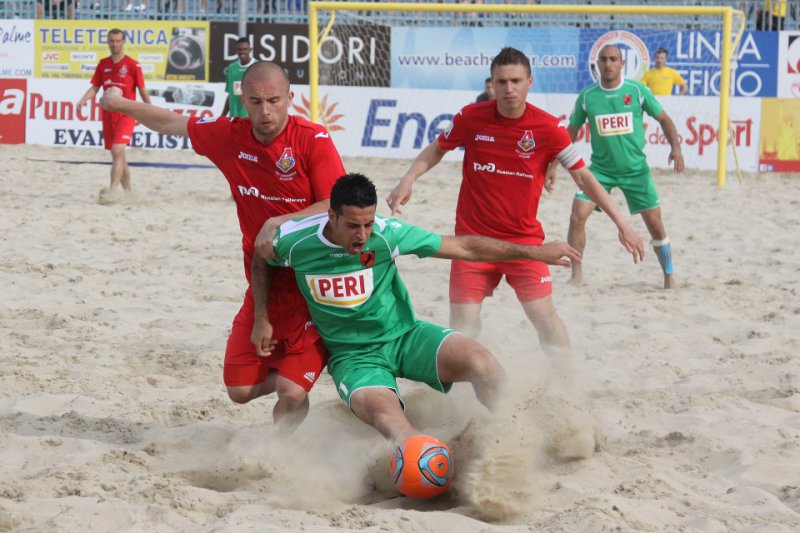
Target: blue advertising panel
{"x":694,"y":54}
{"x":459,"y":58}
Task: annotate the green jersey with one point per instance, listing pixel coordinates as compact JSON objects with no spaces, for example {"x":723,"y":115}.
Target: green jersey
{"x":233,"y":86}
{"x":354,"y":299}
{"x":615,"y":122}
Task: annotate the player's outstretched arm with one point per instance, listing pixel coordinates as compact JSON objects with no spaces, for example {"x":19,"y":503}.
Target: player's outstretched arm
{"x":591,"y":187}
{"x":671,"y":133}
{"x":88,"y":95}
{"x":428,"y":158}
{"x":265,"y":235}
{"x":261,"y":282}
{"x":154,"y":117}
{"x":476,"y":248}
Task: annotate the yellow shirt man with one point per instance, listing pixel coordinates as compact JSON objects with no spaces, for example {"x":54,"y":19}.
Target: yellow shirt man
{"x":661,"y":79}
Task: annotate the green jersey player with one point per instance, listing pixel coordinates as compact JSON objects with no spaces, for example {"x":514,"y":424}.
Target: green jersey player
{"x":614,"y":108}
{"x":344,"y":262}
{"x":233,"y":79}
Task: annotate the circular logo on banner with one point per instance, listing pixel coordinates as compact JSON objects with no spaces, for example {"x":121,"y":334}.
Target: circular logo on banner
{"x":634,"y":53}
{"x":793,"y":54}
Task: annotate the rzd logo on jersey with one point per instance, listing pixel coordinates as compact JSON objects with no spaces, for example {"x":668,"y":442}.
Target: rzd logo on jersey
{"x":341,"y":290}
{"x":286,"y":161}
{"x":614,"y":124}
{"x":527,"y":143}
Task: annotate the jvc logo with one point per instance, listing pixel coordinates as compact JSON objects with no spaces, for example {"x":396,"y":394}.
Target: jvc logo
{"x":485,"y":168}
{"x":248,"y":191}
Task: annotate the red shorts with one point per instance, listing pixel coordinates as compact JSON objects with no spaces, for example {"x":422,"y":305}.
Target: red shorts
{"x":472,"y":282}
{"x":299,"y":356}
{"x":117,"y":129}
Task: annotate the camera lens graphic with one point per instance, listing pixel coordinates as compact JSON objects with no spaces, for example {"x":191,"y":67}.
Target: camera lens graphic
{"x":185,"y":53}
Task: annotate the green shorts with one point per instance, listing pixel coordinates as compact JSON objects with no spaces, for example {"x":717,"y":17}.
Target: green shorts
{"x":640,"y":190}
{"x":411,"y":356}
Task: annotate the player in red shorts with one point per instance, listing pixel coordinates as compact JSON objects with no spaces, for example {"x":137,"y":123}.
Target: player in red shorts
{"x":279,"y":167}
{"x":117,"y":70}
{"x":508,"y":145}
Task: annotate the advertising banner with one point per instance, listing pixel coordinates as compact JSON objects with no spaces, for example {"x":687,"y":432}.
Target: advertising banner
{"x":398,"y":123}
{"x":167,"y":51}
{"x":780,"y":135}
{"x":16,"y":48}
{"x":789,"y":65}
{"x":694,"y":54}
{"x":460,"y":58}
{"x":54,"y":119}
{"x":13,"y":107}
{"x":350,"y":55}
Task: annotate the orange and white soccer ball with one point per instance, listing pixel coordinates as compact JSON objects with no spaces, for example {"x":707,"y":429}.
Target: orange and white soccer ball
{"x":422,"y":467}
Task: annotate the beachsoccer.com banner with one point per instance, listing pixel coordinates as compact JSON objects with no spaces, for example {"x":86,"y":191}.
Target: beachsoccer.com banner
{"x":563,"y":60}
{"x":167,"y":51}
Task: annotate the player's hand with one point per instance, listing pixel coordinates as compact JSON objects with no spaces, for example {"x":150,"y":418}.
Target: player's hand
{"x":399,"y":197}
{"x":550,"y":180}
{"x":110,"y":99}
{"x":261,"y":337}
{"x":632,"y":242}
{"x":676,"y":159}
{"x":264,"y":239}
{"x":557,"y":253}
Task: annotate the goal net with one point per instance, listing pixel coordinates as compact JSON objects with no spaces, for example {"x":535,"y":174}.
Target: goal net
{"x":437,"y":55}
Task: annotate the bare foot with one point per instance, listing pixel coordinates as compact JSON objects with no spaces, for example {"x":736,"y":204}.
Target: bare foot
{"x":669,"y":281}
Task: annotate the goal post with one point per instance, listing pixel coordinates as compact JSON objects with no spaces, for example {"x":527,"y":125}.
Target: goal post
{"x":730,"y":37}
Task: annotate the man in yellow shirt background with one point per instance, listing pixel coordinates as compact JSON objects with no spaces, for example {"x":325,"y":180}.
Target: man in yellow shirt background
{"x":660,"y":79}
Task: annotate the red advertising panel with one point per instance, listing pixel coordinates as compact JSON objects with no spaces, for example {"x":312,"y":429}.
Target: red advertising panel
{"x":12,"y":110}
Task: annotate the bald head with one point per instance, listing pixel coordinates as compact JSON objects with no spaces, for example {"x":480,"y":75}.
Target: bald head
{"x":610,"y":49}
{"x":265,"y":72}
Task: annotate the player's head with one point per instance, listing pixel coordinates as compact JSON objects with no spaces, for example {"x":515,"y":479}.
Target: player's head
{"x":610,"y":63}
{"x":243,"y":50}
{"x":266,"y":97}
{"x":512,"y":81}
{"x":661,"y":57}
{"x":489,"y":88}
{"x":116,"y":41}
{"x":354,"y":201}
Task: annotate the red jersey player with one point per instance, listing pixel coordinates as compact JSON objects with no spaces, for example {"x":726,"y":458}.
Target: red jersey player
{"x":117,"y":70}
{"x":508,"y":145}
{"x":278,"y":167}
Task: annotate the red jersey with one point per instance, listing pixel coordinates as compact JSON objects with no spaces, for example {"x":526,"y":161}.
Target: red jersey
{"x":127,"y":75}
{"x":295,"y":170}
{"x":504,"y":169}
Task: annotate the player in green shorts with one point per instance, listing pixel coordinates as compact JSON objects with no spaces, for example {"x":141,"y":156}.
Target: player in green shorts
{"x":344,"y":262}
{"x":233,"y":79}
{"x":614,"y":108}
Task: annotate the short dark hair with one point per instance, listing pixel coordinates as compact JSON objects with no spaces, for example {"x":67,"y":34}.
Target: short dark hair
{"x":241,"y":40}
{"x":662,"y":51}
{"x":116,"y":31}
{"x":353,"y":189}
{"x":511,"y":56}
{"x":487,"y":80}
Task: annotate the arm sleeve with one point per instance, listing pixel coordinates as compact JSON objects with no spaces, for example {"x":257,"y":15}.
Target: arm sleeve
{"x":138,"y":76}
{"x":206,"y":133}
{"x":578,"y":116}
{"x":279,"y":246}
{"x":455,"y":135}
{"x":649,"y":103}
{"x":96,"y":81}
{"x":564,"y":150}
{"x":407,"y":239}
{"x":678,"y":79}
{"x":324,"y":166}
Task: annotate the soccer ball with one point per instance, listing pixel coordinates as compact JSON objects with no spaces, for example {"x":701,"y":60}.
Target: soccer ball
{"x":422,"y":467}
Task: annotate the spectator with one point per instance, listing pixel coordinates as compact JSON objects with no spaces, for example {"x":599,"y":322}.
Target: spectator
{"x":488,"y":92}
{"x":773,"y":16}
{"x":55,"y":9}
{"x":661,"y":79}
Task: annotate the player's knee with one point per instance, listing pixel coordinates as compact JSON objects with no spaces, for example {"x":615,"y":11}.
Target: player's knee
{"x":577,"y":219}
{"x":241,"y":395}
{"x":483,"y":366}
{"x":291,"y":394}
